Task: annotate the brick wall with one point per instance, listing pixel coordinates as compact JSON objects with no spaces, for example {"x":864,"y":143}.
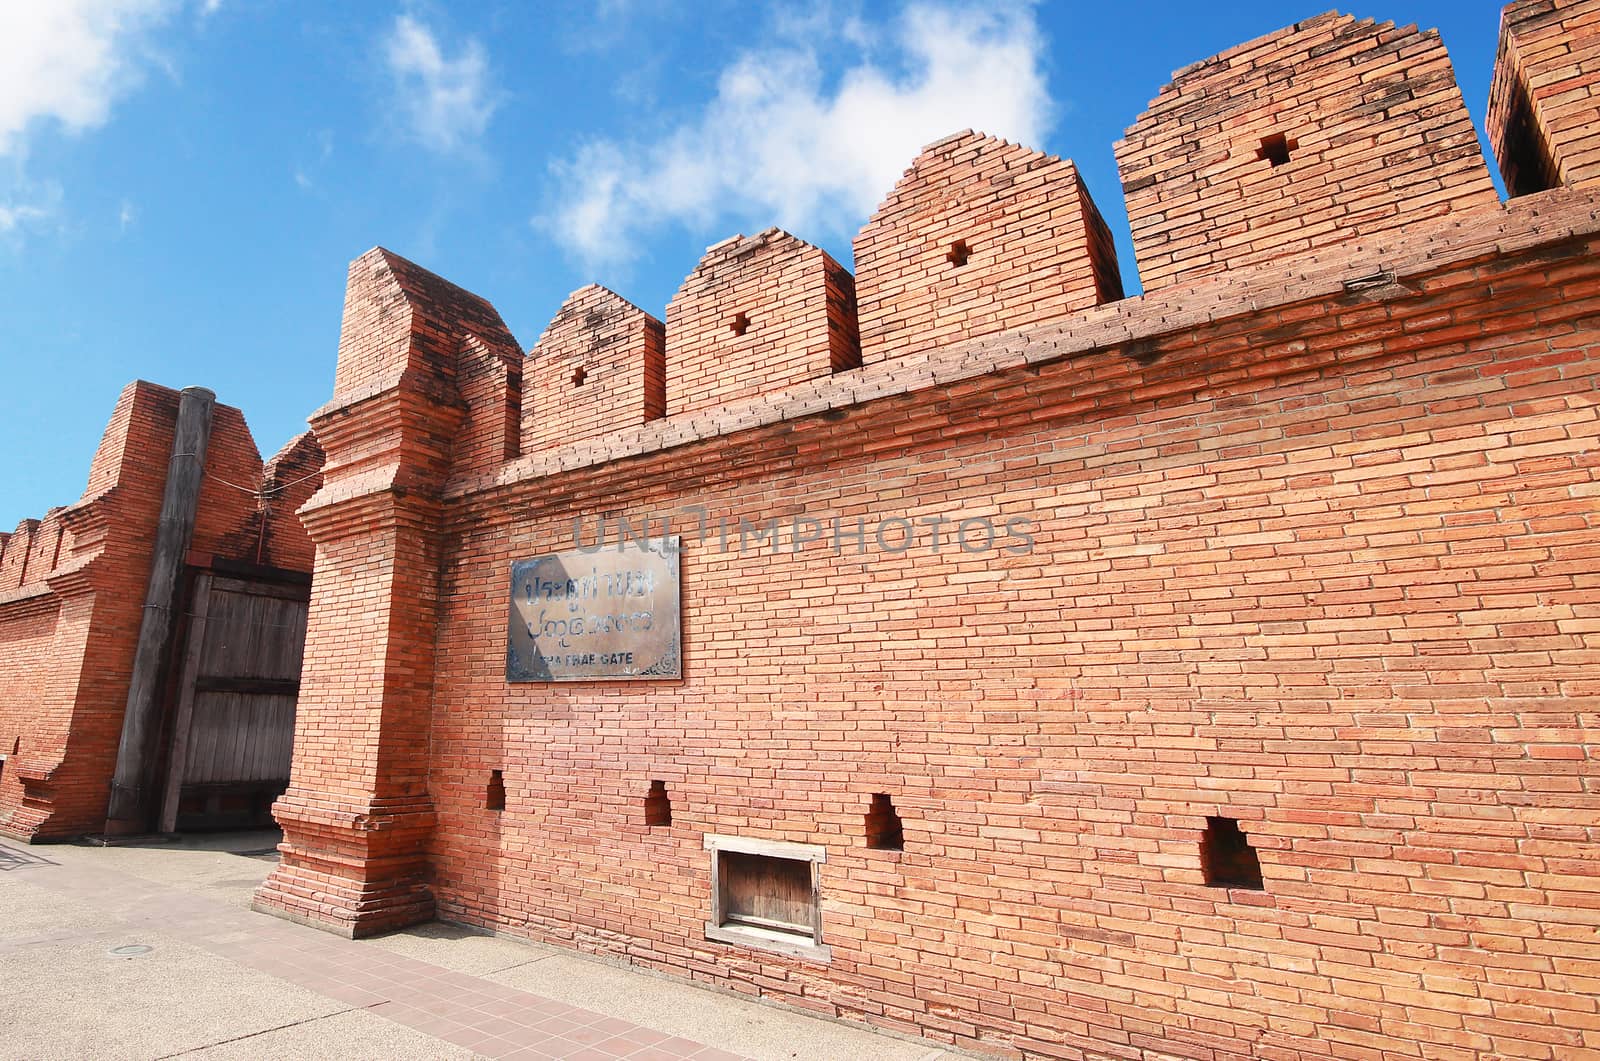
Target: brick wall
{"x":72,"y":719}
{"x":1340,"y":591}
{"x":599,"y":366}
{"x":1381,"y":141}
{"x":68,"y":629}
{"x":758,"y":314}
{"x":1545,"y":93}
{"x":27,"y":634}
{"x":1305,"y":550}
{"x":289,"y":480}
{"x":980,"y":236}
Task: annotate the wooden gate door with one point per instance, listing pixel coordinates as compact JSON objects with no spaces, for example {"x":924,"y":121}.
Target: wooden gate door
{"x":233,"y":730}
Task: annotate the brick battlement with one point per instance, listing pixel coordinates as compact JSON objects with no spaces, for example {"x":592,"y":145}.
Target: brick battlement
{"x":1332,"y":129}
{"x":598,"y":368}
{"x":757,"y":314}
{"x":1545,"y":93}
{"x":1140,"y":327}
{"x":980,"y":236}
{"x":1329,"y":136}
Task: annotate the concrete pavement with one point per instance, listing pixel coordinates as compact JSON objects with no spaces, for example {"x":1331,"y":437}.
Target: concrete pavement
{"x":150,"y":951}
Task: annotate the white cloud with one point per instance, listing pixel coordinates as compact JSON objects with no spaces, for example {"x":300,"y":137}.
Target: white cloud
{"x":67,"y":61}
{"x":127,"y":215}
{"x":14,"y":216}
{"x":447,"y":102}
{"x":27,"y":206}
{"x":783,"y":143}
{"x":303,"y":173}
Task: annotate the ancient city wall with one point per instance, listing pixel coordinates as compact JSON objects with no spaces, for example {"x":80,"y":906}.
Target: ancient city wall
{"x":1300,"y":540}
{"x":70,"y":615}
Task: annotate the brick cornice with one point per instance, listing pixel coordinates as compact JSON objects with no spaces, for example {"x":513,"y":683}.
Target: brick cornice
{"x":372,"y":503}
{"x":354,"y":816}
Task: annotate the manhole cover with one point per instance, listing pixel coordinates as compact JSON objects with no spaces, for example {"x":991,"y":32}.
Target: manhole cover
{"x":130,"y":951}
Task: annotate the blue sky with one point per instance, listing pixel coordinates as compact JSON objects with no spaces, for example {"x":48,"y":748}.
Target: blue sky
{"x":183,"y":182}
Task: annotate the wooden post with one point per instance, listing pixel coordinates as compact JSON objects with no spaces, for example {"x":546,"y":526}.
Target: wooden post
{"x":133,"y":788}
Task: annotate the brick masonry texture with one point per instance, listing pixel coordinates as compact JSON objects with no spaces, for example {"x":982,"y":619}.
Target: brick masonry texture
{"x":1313,"y":547}
{"x":598,"y":368}
{"x":1381,"y":137}
{"x":1546,"y":89}
{"x":979,"y":237}
{"x":69,"y":617}
{"x":759,"y":313}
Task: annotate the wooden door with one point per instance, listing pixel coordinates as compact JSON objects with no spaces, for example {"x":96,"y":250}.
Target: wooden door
{"x":233,"y":730}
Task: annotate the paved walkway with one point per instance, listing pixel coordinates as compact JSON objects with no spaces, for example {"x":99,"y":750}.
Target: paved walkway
{"x":152,"y":952}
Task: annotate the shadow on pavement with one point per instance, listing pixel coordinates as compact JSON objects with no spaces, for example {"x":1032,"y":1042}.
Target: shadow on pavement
{"x":21,"y":858}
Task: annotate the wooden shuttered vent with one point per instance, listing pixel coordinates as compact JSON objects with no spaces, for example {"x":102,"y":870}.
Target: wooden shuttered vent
{"x":767,"y":894}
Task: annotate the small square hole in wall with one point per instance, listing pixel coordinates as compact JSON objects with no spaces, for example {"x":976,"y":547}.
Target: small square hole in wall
{"x":495,"y":798}
{"x":958,"y":253}
{"x":579,"y":376}
{"x":1276,"y":148}
{"x":1226,"y":858}
{"x":767,"y":895}
{"x":740,"y":323}
{"x":884,"y":832}
{"x":657,"y":805}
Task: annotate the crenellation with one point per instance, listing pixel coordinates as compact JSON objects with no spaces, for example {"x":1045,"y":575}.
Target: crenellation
{"x":758,"y":313}
{"x":1337,"y":129}
{"x":600,"y":366}
{"x":1544,"y":95}
{"x":14,"y":565}
{"x":979,"y":235}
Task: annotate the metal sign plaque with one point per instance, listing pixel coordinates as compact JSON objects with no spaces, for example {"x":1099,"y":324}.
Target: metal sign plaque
{"x":603,"y":615}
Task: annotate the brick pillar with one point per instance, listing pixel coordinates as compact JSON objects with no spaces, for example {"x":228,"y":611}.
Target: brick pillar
{"x":357,"y":815}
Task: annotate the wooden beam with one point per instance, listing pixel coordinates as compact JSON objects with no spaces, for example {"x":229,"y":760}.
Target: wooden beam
{"x":132,"y":804}
{"x":262,"y":686}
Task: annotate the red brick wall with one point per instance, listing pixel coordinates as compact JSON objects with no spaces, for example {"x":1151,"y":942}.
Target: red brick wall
{"x":600,"y":366}
{"x":1313,"y":554}
{"x":1341,"y":589}
{"x":1546,"y":91}
{"x":59,"y":784}
{"x":290,"y":478}
{"x":27,"y":634}
{"x":1032,"y":248}
{"x":799,"y":308}
{"x":1383,"y":142}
